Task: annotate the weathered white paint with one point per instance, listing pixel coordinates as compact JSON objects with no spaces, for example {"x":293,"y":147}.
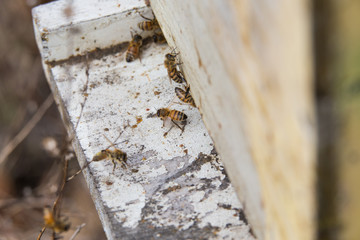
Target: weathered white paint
{"x":90,"y":24}
{"x":206,"y":171}
{"x":122,"y":195}
{"x":180,"y":190}
{"x":118,"y":95}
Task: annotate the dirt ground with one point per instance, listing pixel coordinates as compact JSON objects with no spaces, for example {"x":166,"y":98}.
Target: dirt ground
{"x":31,"y":174}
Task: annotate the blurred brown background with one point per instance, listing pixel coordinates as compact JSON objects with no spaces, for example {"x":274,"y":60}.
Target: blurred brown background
{"x":30,"y":175}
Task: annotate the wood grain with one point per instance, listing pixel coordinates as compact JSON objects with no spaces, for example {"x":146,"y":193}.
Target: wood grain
{"x":249,"y":64}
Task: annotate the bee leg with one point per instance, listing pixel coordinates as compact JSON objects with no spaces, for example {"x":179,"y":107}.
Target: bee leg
{"x":114,"y":163}
{"x":182,"y":128}
{"x":180,"y":103}
{"x":168,"y":131}
{"x":187,"y":92}
{"x":123,"y":164}
{"x":145,"y":17}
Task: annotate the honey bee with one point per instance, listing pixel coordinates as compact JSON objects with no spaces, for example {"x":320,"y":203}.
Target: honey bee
{"x":149,"y":25}
{"x":134,"y":48}
{"x":170,"y":64}
{"x":185,"y":96}
{"x":159,"y":38}
{"x":174,"y":115}
{"x":115,"y":155}
{"x":57,"y":225}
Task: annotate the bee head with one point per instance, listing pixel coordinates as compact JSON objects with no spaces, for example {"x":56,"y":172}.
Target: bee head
{"x":170,"y":57}
{"x":155,"y":38}
{"x":67,"y":226}
{"x":137,"y":38}
{"x":158,"y":113}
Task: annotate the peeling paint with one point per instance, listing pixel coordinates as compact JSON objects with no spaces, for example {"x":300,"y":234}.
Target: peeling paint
{"x":122,"y":195}
{"x":207,"y":171}
{"x":166,"y":192}
{"x":92,"y":24}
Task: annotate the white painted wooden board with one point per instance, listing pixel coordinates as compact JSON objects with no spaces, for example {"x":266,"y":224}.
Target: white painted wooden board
{"x":71,"y":28}
{"x":180,"y":189}
{"x":249,"y":67}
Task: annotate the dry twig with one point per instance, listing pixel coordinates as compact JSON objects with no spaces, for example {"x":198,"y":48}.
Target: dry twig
{"x":26,"y":129}
{"x":78,"y":172}
{"x":41,"y":233}
{"x":54,"y":209}
{"x":77,"y":231}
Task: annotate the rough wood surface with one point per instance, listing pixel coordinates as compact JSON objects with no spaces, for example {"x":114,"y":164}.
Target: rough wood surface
{"x":175,"y":186}
{"x":73,"y":28}
{"x":249,"y":65}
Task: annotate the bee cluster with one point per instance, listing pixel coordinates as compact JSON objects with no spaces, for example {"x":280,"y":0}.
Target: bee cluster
{"x":51,"y":216}
{"x":135,"y":44}
{"x":171,"y":64}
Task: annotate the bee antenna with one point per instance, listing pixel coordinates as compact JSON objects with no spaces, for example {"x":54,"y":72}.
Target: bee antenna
{"x":112,"y":144}
{"x":125,"y":127}
{"x":173,"y":50}
{"x":153,"y":113}
{"x":132,"y":32}
{"x":171,"y":102}
{"x":145,"y":17}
